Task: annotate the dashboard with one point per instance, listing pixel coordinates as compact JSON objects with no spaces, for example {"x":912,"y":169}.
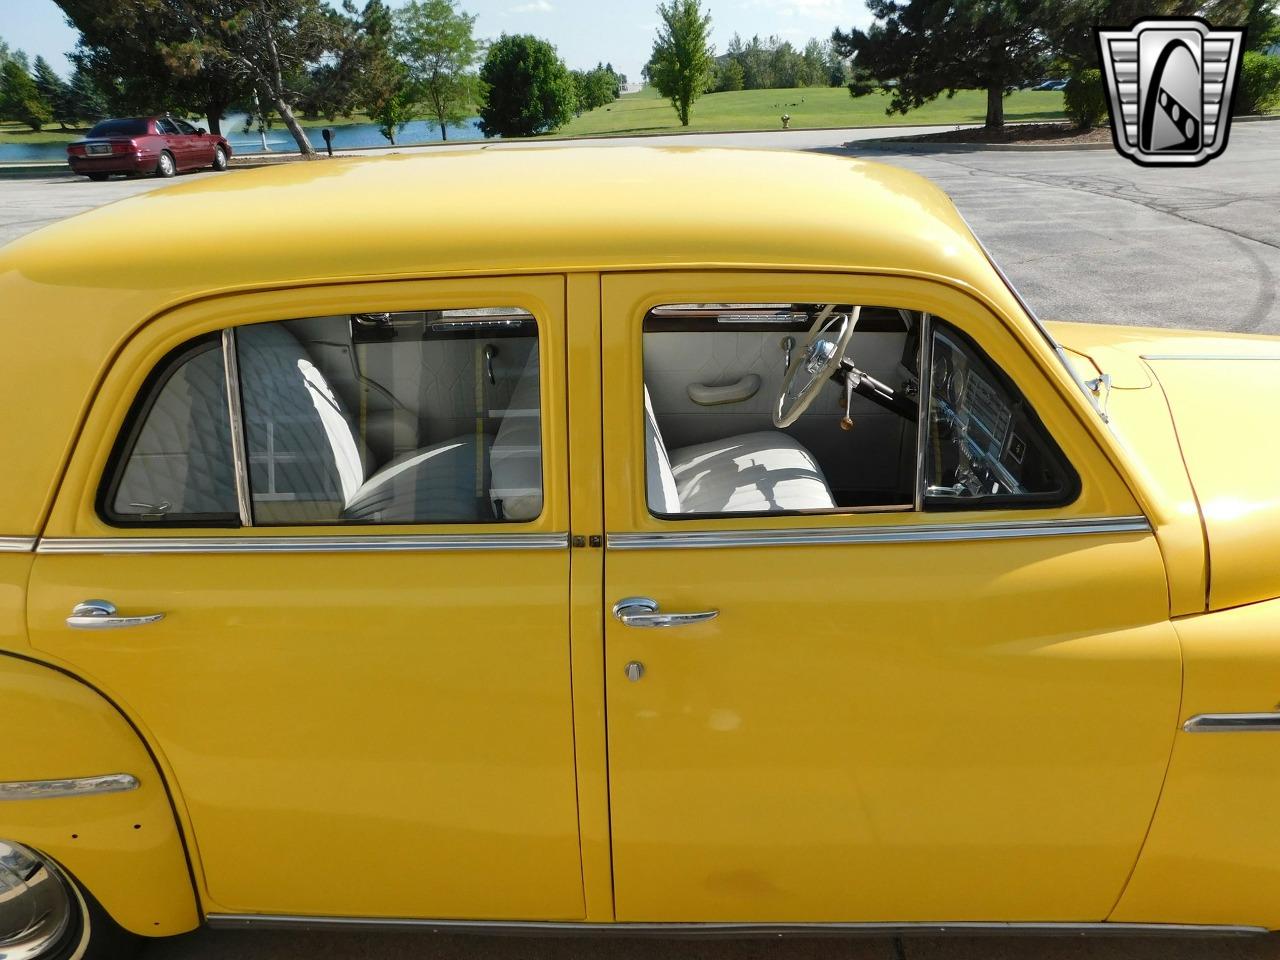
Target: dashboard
{"x":984,"y":441}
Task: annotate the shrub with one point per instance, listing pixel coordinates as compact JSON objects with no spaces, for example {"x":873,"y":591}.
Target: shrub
{"x":1259,"y":83}
{"x":1085,"y":99}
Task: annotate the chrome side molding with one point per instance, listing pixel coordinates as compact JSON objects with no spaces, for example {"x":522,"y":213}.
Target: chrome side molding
{"x":320,"y":544}
{"x":230,"y":921}
{"x":1202,"y":356}
{"x":905,"y":533}
{"x":17,"y":544}
{"x":1233,"y":723}
{"x":77,"y":787}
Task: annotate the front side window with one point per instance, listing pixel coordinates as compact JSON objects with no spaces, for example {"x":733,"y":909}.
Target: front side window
{"x":818,"y":408}
{"x":411,"y":417}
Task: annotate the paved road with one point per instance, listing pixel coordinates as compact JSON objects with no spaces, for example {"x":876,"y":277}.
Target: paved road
{"x":1085,"y":235}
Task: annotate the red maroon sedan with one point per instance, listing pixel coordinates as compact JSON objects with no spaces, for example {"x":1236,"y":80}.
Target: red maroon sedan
{"x":159,"y":145}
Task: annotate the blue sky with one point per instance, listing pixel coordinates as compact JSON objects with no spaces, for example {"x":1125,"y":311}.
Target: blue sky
{"x":584,"y":31}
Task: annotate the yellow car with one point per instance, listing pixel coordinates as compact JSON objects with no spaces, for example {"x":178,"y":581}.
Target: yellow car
{"x":618,"y":540}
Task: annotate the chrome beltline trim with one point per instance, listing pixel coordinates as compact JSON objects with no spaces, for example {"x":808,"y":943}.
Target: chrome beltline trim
{"x":368,"y":544}
{"x":1203,"y":356}
{"x":562,"y":928}
{"x":17,"y":544}
{"x":919,"y":533}
{"x":77,"y":787}
{"x":1233,"y":723}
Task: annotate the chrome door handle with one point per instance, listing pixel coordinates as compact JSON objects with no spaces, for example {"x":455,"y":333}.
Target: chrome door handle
{"x":101,"y":615}
{"x":643,"y":612}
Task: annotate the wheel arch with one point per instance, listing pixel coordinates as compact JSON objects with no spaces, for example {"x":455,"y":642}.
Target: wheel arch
{"x":124,"y":845}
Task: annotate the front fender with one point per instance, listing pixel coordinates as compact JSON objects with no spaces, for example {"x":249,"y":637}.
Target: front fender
{"x":124,"y":847}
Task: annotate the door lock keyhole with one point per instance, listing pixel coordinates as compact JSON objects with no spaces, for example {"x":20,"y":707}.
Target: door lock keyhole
{"x":634,"y":670}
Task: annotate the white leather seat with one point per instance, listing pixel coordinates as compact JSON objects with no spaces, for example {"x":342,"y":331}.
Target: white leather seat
{"x":750,"y":473}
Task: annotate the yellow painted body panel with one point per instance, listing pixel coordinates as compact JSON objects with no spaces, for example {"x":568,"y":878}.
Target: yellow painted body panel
{"x":895,"y":732}
{"x":1225,"y":416}
{"x":364,"y":709}
{"x":1213,"y":855}
{"x":124,"y":847}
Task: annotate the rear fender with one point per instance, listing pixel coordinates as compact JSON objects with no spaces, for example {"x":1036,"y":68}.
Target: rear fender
{"x":124,"y":846}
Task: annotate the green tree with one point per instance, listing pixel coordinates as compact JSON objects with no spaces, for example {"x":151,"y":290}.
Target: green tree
{"x":267,"y":45}
{"x":134,"y":53}
{"x":435,"y":41}
{"x":382,"y":88}
{"x":54,"y":91}
{"x":20,"y":99}
{"x":525,"y":88}
{"x":933,"y":47}
{"x":1259,"y":83}
{"x":86,"y":100}
{"x":729,"y":76}
{"x":681,"y":63}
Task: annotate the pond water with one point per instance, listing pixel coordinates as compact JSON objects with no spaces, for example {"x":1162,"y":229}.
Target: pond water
{"x":278,"y":138}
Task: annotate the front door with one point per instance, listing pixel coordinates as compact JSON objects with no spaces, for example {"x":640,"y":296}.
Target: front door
{"x":349,"y":506}
{"x":926,"y":672}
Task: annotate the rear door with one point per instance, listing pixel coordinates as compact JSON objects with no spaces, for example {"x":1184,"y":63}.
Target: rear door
{"x":178,"y":143}
{"x":936,"y":698}
{"x":349,"y":506}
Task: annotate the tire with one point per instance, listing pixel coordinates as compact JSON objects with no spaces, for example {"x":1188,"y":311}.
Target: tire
{"x":219,"y":159}
{"x":166,"y":166}
{"x":97,"y":177}
{"x":73,"y":925}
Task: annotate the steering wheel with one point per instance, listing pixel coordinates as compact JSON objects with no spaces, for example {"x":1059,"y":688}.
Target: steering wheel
{"x":814,"y":363}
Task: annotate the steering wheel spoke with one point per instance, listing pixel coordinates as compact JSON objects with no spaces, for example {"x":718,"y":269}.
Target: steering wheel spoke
{"x":814,"y":363}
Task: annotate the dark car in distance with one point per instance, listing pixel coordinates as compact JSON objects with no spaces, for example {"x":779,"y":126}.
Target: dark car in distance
{"x":134,"y":146}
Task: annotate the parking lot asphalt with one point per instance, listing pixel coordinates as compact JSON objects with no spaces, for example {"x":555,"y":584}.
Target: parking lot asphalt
{"x":1085,"y":236}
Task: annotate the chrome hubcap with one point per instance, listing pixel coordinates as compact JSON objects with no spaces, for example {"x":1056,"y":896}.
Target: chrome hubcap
{"x":35,"y":904}
{"x":166,"y":164}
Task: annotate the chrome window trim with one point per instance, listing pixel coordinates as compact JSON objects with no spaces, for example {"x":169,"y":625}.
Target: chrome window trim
{"x":560,"y":928}
{"x":17,"y":544}
{"x":239,"y":459}
{"x":319,"y":544}
{"x":924,"y":386}
{"x":1203,"y":356}
{"x":75,"y":787}
{"x":1233,"y":723}
{"x":913,"y":533}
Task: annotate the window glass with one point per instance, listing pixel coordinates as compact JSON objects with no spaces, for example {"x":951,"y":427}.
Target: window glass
{"x":177,"y":466}
{"x":185,"y":128}
{"x":119,"y":128}
{"x":416,"y":417}
{"x":985,"y":443}
{"x":166,"y":126}
{"x":779,"y":408}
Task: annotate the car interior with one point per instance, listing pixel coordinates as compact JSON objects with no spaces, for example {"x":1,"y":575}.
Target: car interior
{"x":414,"y":417}
{"x":810,"y":407}
{"x":433,"y":417}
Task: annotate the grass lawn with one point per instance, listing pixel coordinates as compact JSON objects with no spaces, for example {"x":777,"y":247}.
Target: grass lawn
{"x":21,"y":133}
{"x":646,"y":112}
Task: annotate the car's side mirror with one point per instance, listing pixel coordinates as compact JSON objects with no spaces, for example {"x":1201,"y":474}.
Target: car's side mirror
{"x":201,"y":130}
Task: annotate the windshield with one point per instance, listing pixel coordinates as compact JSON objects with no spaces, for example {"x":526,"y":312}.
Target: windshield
{"x":119,"y":128}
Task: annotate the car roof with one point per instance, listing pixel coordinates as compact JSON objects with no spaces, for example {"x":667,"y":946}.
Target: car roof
{"x":485,"y":211}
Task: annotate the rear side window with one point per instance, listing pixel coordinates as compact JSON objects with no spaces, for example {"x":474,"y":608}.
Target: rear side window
{"x":404,"y":418}
{"x":119,"y":128}
{"x":174,"y":463}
